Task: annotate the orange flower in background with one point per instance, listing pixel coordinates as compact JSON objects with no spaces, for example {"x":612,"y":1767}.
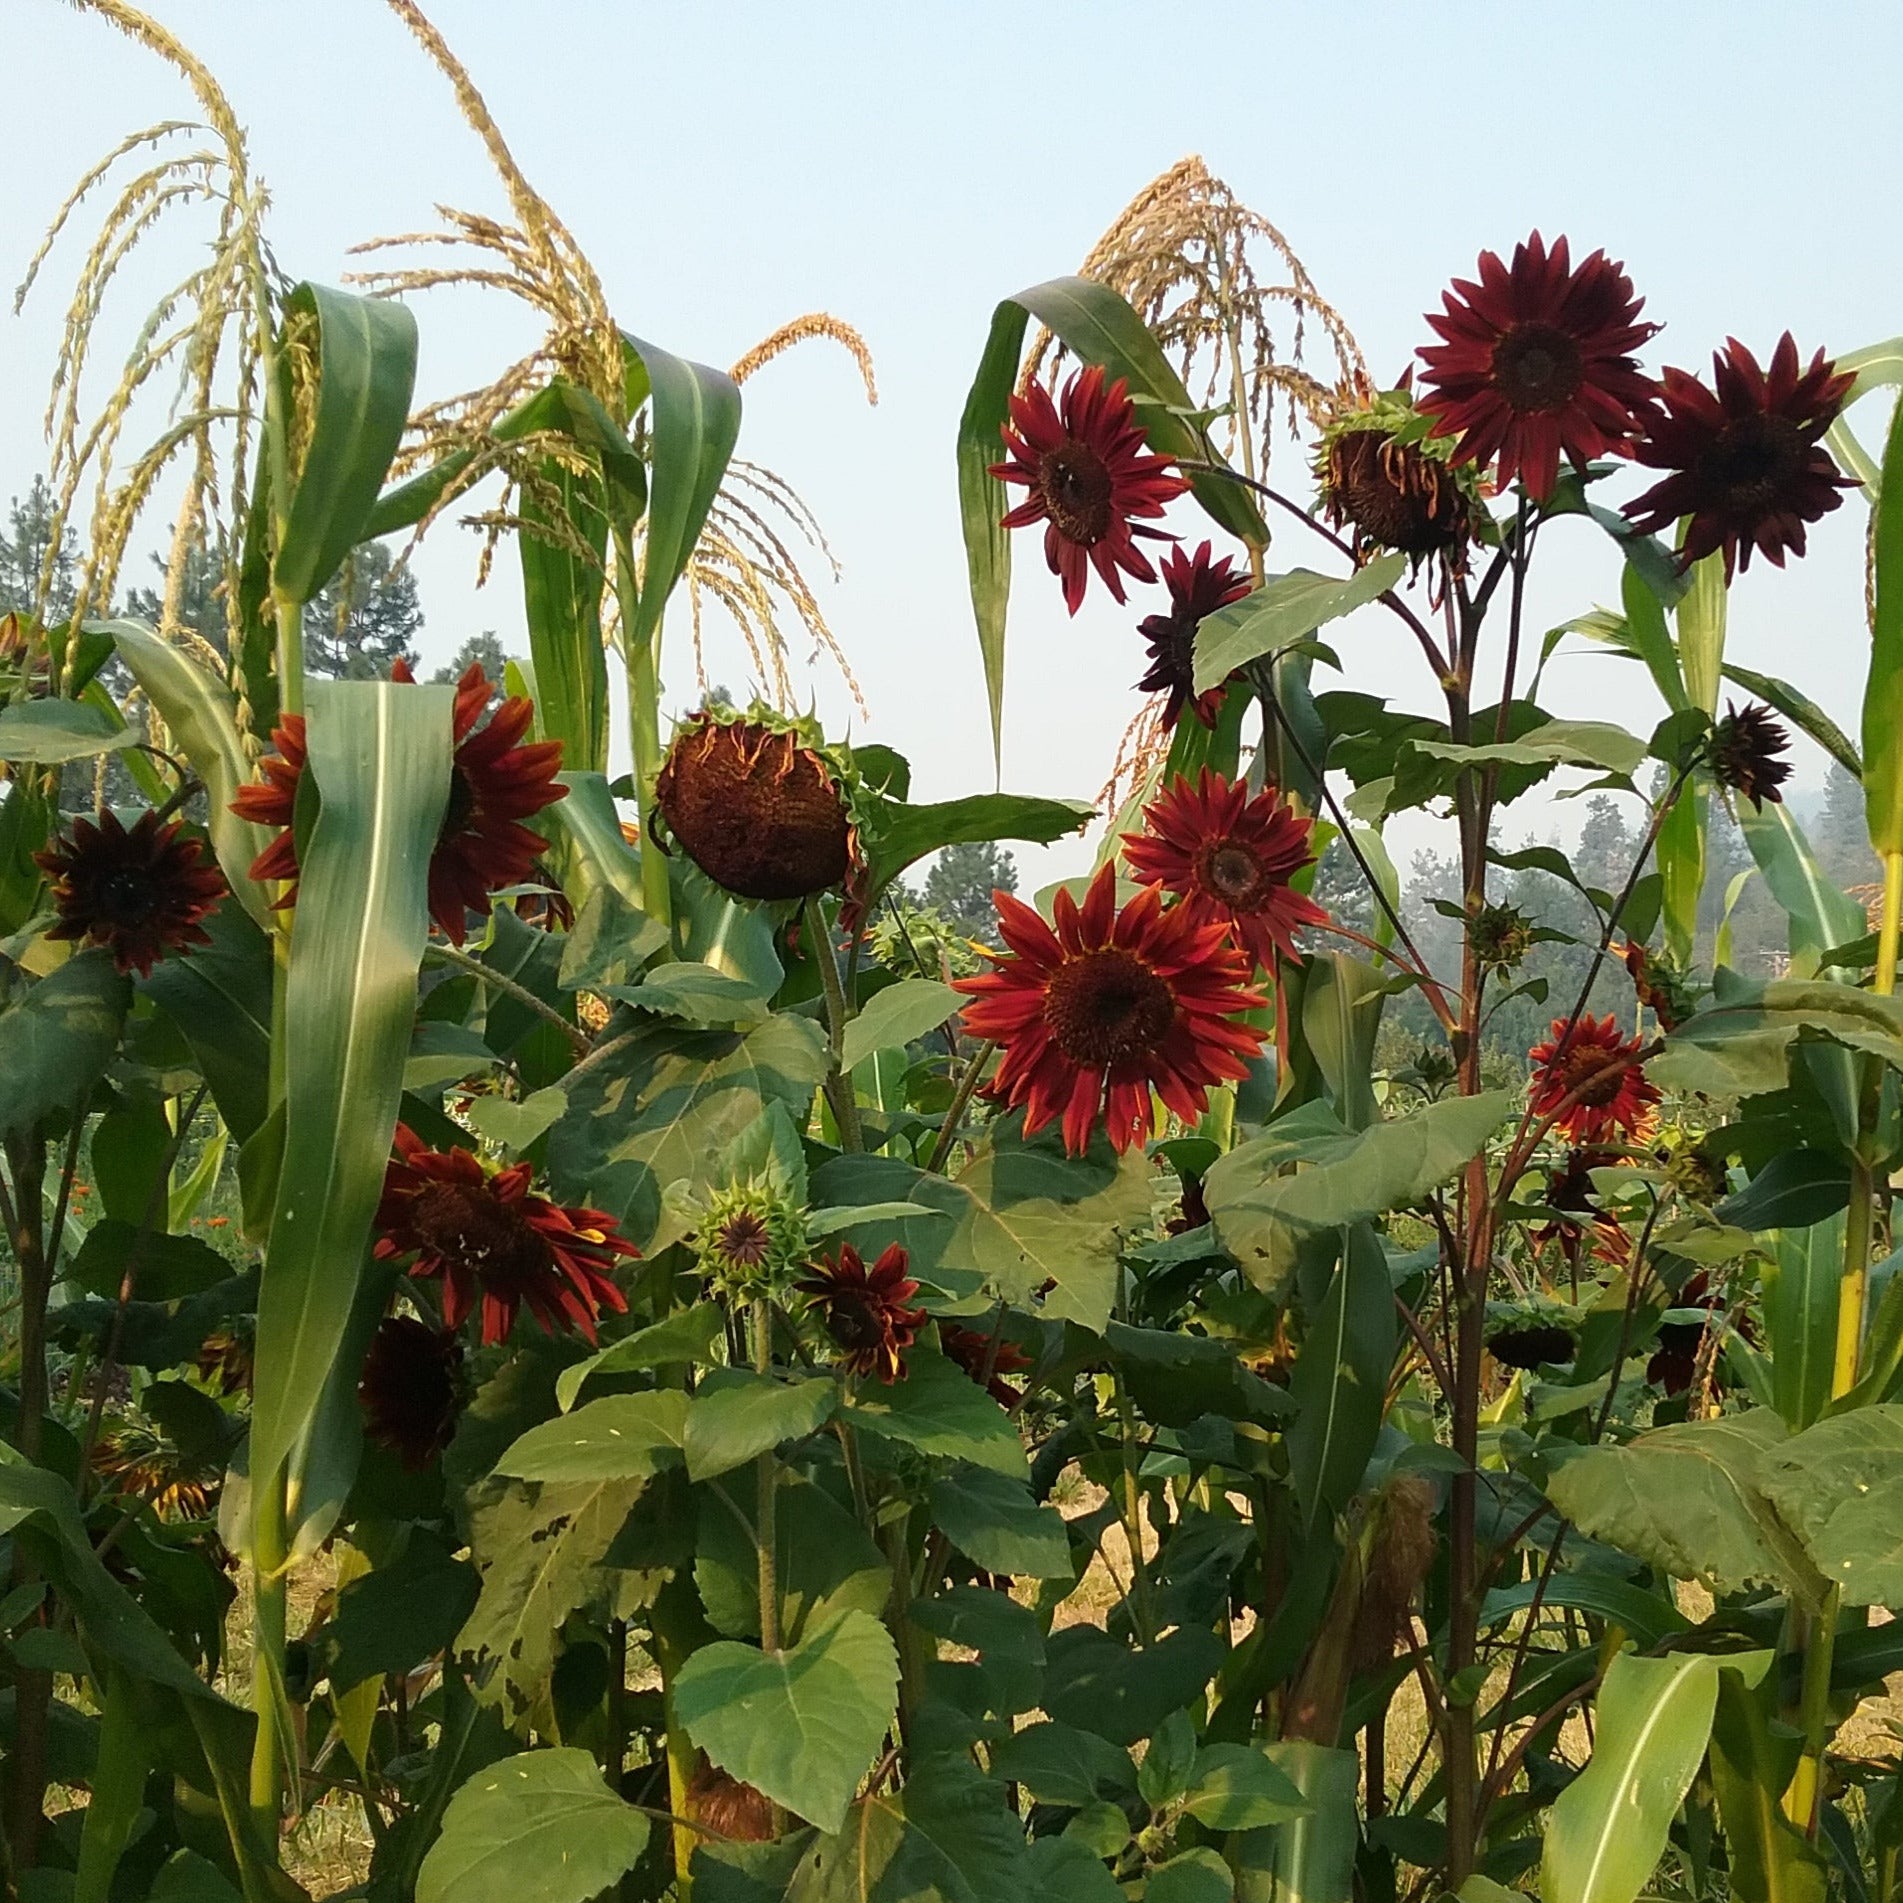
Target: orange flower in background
{"x":866,"y":1311}
{"x":140,"y":893}
{"x":489,"y":1240}
{"x":1615,"y":1097}
{"x":1198,"y":587}
{"x":1747,"y":459}
{"x":1536,"y":362}
{"x":1105,"y":1005}
{"x":1231,"y":857}
{"x":1090,"y":474}
{"x":496,"y":780}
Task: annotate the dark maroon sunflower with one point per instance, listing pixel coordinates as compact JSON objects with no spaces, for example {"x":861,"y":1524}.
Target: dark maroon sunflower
{"x":763,"y":816}
{"x":1579,"y":1220}
{"x":987,"y":1359}
{"x":1537,"y":362}
{"x":1748,"y":465}
{"x":496,"y":780}
{"x":1102,"y":1007}
{"x":1394,"y":493}
{"x":141,"y":893}
{"x":866,"y":1311}
{"x":1090,"y":473}
{"x":412,"y":1388}
{"x":1674,"y":1362}
{"x":1198,"y":587}
{"x":1615,"y":1097}
{"x":1744,"y":754}
{"x":1230,"y":857}
{"x":486,"y":1236}
{"x":1531,"y":1346}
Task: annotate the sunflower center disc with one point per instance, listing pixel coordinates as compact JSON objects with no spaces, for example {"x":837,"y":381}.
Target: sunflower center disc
{"x":743,"y":1239}
{"x":1753,"y":459}
{"x":1537,"y":367}
{"x":1231,"y":873}
{"x":855,"y":1323}
{"x":1076,"y":488}
{"x":126,"y":896}
{"x":469,"y":1226}
{"x":1104,"y":1007}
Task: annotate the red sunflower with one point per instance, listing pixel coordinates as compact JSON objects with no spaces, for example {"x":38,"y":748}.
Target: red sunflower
{"x":1198,"y":587}
{"x":141,"y":893}
{"x":1537,"y":361}
{"x":1104,"y":1006}
{"x":1090,"y":473}
{"x":1231,"y":857}
{"x":1617,"y":1097}
{"x":986,"y":1358}
{"x":411,"y":1388}
{"x":866,"y":1311}
{"x":1747,"y":462}
{"x":496,"y":780}
{"x":485,"y":1235}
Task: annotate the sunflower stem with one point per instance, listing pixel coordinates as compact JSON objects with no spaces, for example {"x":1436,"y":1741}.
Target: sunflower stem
{"x":268,"y":1560}
{"x":839,"y":1091}
{"x":960,"y":1103}
{"x":487,"y":974}
{"x":767,"y":1470}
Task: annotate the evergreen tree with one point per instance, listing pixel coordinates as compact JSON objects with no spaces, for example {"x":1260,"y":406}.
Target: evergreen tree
{"x":23,"y":550}
{"x":960,"y":884}
{"x":365,"y":620}
{"x":483,"y":648}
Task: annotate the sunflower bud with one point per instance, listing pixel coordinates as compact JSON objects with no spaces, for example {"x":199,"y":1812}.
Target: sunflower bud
{"x":750,"y":1239}
{"x":1743,"y":754}
{"x":763,"y":815}
{"x":1501,"y":937}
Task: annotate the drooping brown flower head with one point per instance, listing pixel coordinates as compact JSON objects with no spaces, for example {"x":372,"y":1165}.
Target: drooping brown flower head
{"x":147,"y":1466}
{"x":227,"y":1358}
{"x":1579,"y":1219}
{"x":729,"y":1808}
{"x":1531,"y":1345}
{"x":1615,"y":1095}
{"x":496,"y":780}
{"x":866,"y":1311}
{"x":1674,"y":1362}
{"x":1102,"y":1007}
{"x":1198,"y":586}
{"x":1090,"y":474}
{"x":1394,"y":493}
{"x":1748,"y":464}
{"x":987,"y":1359}
{"x":486,"y":1236}
{"x":763,"y":816}
{"x":411,"y":1388}
{"x":1230,"y":857}
{"x":1744,"y":754}
{"x":1536,"y":361}
{"x":141,"y":893}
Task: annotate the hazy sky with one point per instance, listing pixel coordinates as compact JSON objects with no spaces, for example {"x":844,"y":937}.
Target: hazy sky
{"x":905,"y":164}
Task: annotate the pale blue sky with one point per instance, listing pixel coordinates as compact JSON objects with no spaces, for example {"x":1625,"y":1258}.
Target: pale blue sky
{"x":904,"y":165}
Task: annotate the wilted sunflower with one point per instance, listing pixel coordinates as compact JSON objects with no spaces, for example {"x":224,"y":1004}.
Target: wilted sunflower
{"x":1231,"y":857}
{"x":1101,"y":1007}
{"x":1090,"y":474}
{"x":411,"y":1388}
{"x":1198,"y":586}
{"x":1617,"y":1097}
{"x":1744,"y":754}
{"x":1530,"y":1344}
{"x":763,"y":815}
{"x":485,"y":1236}
{"x":866,"y":1311}
{"x":1579,"y":1218}
{"x":147,"y":1466}
{"x":141,"y":893}
{"x":496,"y":780}
{"x":1748,"y":464}
{"x":1379,"y":473}
{"x":1537,"y":362}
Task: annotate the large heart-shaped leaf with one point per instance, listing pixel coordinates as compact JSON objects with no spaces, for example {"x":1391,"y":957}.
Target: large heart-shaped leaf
{"x":1839,"y":1487}
{"x":738,"y":1414}
{"x":939,"y":1409}
{"x":803,"y":1725}
{"x":541,"y":1824}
